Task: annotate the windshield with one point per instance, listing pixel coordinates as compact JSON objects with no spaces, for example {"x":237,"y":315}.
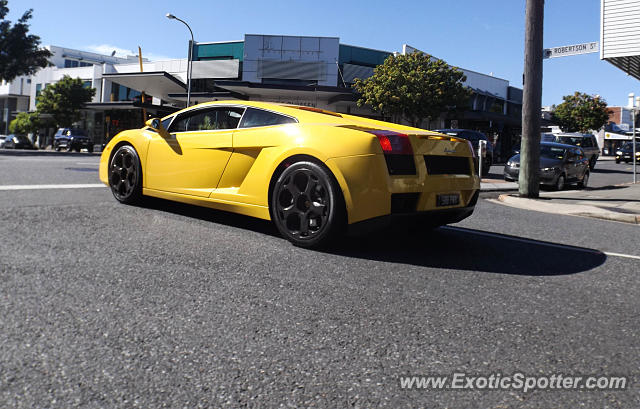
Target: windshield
{"x":571,"y":140}
{"x":551,"y":152}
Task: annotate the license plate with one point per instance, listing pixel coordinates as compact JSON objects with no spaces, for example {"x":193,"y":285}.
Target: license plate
{"x":447,"y":200}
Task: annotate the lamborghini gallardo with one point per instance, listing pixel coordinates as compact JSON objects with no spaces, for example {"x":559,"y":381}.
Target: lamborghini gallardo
{"x":316,"y":174}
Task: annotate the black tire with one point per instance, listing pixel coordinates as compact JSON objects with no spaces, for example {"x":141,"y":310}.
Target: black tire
{"x":592,"y":163}
{"x":69,"y":148}
{"x":90,"y":148}
{"x":585,"y":181}
{"x":57,"y":149}
{"x":307,"y":206}
{"x":125,"y":175}
{"x":561,"y":182}
{"x":617,"y":160}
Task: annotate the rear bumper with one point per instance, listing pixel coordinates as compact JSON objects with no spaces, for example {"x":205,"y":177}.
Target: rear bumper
{"x":370,"y":192}
{"x":431,"y":218}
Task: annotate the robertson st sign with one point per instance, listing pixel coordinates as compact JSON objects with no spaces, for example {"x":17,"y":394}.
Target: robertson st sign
{"x":575,"y":49}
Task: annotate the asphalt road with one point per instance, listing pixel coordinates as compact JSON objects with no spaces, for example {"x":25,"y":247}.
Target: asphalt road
{"x":107,"y":305}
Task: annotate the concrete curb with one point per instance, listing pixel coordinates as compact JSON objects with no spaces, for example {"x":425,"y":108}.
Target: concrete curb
{"x":498,"y":187}
{"x":567,"y":209}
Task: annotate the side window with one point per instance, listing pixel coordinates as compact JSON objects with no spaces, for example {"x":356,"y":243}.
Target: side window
{"x":256,"y":117}
{"x":587,"y":143}
{"x":207,"y":120}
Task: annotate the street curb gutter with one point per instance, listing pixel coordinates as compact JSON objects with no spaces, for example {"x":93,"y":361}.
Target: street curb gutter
{"x":568,"y":209}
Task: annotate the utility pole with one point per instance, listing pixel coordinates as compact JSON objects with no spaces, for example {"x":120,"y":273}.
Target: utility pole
{"x":529,"y":178}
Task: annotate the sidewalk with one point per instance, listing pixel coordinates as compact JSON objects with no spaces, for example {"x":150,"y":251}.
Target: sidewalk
{"x":619,"y":203}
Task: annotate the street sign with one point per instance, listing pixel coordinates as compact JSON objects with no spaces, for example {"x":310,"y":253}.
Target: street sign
{"x":576,"y":49}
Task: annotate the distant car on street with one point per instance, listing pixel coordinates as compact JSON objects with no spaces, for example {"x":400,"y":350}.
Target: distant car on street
{"x":587,"y":142}
{"x":17,"y":142}
{"x":72,"y":139}
{"x":560,"y":164}
{"x":474,"y":137}
{"x":625,"y":153}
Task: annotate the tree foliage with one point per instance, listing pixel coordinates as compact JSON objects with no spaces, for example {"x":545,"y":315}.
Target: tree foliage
{"x":64,"y":99}
{"x":25,"y":123}
{"x":580,"y":113}
{"x":413,"y":87}
{"x":19,"y":51}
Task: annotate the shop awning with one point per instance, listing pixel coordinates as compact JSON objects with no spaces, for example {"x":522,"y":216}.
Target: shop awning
{"x":158,"y":84}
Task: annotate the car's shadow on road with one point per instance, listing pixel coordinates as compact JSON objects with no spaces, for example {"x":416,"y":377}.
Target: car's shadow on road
{"x":448,"y":247}
{"x":452,"y":247}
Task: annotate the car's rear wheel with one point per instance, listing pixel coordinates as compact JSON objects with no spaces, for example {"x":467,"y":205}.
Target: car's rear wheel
{"x":69,"y":148}
{"x":592,"y":163}
{"x":560,"y":182}
{"x":125,"y":175}
{"x":307,"y":205}
{"x":617,"y":160}
{"x":584,"y":182}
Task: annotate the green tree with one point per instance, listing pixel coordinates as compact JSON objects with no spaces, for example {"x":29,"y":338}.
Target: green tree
{"x":580,"y":113}
{"x":413,"y":87}
{"x":64,"y":99}
{"x":25,"y":123}
{"x":19,"y":51}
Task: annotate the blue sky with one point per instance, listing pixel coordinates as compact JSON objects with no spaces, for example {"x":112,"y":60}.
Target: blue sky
{"x":485,"y":36}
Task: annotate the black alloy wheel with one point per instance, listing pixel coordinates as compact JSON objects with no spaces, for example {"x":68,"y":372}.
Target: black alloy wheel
{"x":125,"y":175}
{"x":307,"y":206}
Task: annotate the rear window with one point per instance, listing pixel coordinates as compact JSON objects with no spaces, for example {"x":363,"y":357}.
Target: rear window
{"x":571,"y":140}
{"x":256,"y":117}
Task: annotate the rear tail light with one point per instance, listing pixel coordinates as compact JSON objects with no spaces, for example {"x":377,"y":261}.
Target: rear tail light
{"x":393,"y":143}
{"x":398,"y":153}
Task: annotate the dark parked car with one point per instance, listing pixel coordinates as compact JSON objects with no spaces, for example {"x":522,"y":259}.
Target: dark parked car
{"x":587,"y":142}
{"x":560,"y":164}
{"x":72,"y":139}
{"x":17,"y":142}
{"x":475,"y":137}
{"x":625,"y":153}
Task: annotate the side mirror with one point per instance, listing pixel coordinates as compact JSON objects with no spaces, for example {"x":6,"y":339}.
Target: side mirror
{"x":156,"y":125}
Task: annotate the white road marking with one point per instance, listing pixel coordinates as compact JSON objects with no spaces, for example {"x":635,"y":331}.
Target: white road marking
{"x":540,"y":243}
{"x":88,"y":163}
{"x":40,"y":187}
{"x":608,"y":253}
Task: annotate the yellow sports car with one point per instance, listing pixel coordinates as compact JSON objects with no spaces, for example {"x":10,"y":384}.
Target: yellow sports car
{"x":312,"y":172}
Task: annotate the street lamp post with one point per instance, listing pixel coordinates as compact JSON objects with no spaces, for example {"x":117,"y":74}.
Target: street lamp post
{"x":189,"y":56}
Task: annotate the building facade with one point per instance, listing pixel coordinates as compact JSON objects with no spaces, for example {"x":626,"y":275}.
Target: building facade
{"x":312,"y":71}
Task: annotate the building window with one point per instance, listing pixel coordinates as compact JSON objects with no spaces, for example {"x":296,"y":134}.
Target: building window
{"x":122,"y":93}
{"x":87,"y":84}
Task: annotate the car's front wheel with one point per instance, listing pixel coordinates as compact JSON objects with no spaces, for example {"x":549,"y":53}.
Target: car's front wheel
{"x":560,"y":182}
{"x":584,"y":182}
{"x":125,"y":175}
{"x":306,"y":205}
